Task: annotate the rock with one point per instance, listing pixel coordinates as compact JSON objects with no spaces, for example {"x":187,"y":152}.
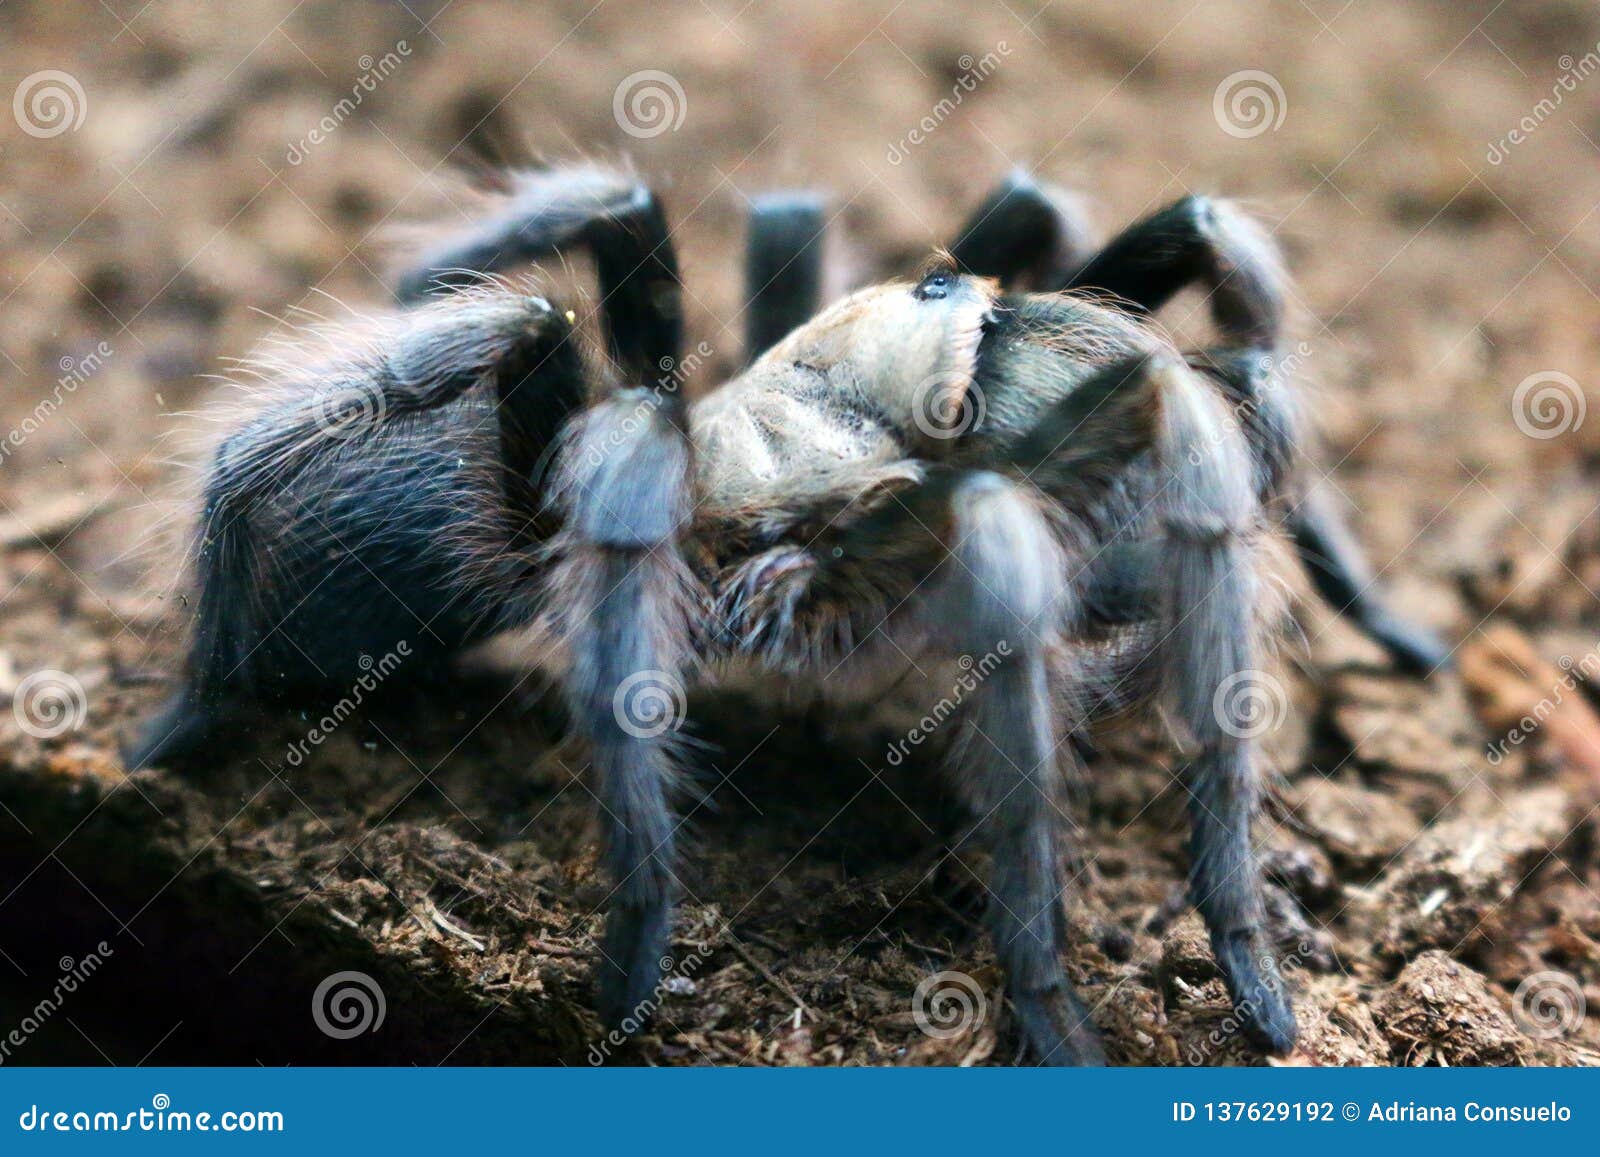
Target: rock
{"x":1522,"y":698}
{"x":1300,"y":867}
{"x":1449,"y":884}
{"x":1353,"y":822}
{"x":1402,"y":726}
{"x":1186,"y":958}
{"x":1440,"y":1012}
{"x":1337,"y":1029}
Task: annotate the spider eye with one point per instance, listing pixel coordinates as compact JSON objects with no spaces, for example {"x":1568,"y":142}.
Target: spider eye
{"x":934,"y":287}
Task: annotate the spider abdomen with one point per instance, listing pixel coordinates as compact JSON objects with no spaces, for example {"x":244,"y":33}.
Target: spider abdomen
{"x":342,"y":560}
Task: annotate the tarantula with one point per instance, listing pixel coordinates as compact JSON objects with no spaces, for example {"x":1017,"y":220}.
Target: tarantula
{"x":1004,"y":452}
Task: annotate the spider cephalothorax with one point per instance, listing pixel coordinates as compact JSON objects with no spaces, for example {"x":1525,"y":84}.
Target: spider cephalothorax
{"x":934,"y":468}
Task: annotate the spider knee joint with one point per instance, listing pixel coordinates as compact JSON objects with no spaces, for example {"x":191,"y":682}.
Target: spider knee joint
{"x":626,"y":474}
{"x":1008,"y":566}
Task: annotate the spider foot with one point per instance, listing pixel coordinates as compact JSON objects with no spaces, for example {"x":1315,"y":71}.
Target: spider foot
{"x":1257,"y":988}
{"x":1057,"y":1029}
{"x":634,"y":958}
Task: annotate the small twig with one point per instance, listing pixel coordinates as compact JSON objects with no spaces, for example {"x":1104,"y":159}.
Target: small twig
{"x":770,"y":977}
{"x":929,"y":949}
{"x":762,"y":939}
{"x":448,"y":925}
{"x":550,"y":948}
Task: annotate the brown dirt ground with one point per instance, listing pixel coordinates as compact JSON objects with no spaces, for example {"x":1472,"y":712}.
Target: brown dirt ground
{"x":444,"y":847}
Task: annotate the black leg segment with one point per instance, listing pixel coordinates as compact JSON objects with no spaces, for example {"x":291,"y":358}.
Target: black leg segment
{"x":1026,"y":234}
{"x":1196,"y":241}
{"x":1341,"y":576}
{"x":784,"y":266}
{"x":618,"y":220}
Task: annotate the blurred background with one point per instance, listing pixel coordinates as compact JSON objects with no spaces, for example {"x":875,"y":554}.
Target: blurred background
{"x":177,"y":179}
